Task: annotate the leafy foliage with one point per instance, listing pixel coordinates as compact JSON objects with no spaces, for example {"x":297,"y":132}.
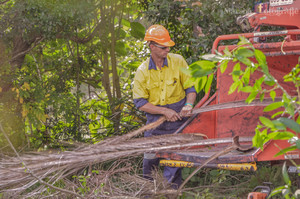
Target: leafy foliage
{"x":70,"y":66}
{"x":194,"y":25}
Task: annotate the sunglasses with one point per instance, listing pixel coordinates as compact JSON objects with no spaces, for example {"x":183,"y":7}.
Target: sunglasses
{"x":161,"y":47}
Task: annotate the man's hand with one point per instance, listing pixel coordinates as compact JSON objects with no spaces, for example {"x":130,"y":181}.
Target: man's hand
{"x":186,"y":111}
{"x":171,"y":115}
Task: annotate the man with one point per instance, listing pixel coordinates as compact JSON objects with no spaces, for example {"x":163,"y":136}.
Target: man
{"x":159,"y":90}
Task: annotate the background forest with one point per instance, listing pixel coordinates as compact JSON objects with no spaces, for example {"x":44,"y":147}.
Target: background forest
{"x":67,"y":69}
{"x":67,"y":66}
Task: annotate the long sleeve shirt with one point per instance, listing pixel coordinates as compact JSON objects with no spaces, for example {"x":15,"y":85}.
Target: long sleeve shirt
{"x":162,"y":87}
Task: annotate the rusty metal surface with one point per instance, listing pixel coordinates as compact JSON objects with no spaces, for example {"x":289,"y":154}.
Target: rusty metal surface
{"x":277,"y":14}
{"x":273,"y":49}
{"x":210,"y":101}
{"x":201,"y":155}
{"x":252,"y":35}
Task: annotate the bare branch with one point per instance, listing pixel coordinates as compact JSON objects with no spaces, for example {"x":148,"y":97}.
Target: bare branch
{"x":31,"y":173}
{"x":4,"y":2}
{"x":36,"y":42}
{"x":87,"y":38}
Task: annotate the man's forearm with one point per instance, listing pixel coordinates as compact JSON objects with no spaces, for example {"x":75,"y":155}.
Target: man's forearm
{"x":170,"y":114}
{"x":150,"y":108}
{"x":191,"y":97}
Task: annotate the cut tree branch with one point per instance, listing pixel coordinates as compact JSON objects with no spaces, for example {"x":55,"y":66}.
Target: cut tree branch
{"x":31,"y":173}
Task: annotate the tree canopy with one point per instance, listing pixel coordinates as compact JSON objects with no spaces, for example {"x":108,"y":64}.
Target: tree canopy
{"x":67,"y":66}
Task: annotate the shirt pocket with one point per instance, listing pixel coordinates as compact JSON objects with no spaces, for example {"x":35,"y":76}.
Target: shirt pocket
{"x":173,"y":87}
{"x":153,"y":89}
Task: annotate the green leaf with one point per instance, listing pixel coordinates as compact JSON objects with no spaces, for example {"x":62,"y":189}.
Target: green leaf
{"x":285,"y":150}
{"x":202,"y":68}
{"x":286,"y":193}
{"x":237,"y":67}
{"x":245,"y":52}
{"x":251,"y":96}
{"x":290,"y":109}
{"x":246,"y":89}
{"x":233,"y":87}
{"x":285,"y":174}
{"x":208,"y":83}
{"x":290,"y":124}
{"x":137,"y":30}
{"x":261,"y":96}
{"x":227,"y":52}
{"x":298,"y":144}
{"x":223,"y":66}
{"x":190,"y":82}
{"x":265,"y":69}
{"x":186,"y":71}
{"x":260,"y":57}
{"x":122,"y":34}
{"x":243,"y":41}
{"x":278,"y":125}
{"x":212,"y":57}
{"x":265,"y":121}
{"x":276,"y":114}
{"x":273,"y":95}
{"x":197,"y":83}
{"x":258,"y":82}
{"x":126,"y":23}
{"x":286,"y":135}
{"x":201,"y":72}
{"x":246,"y":76}
{"x":277,"y":190}
{"x":257,"y":139}
{"x":298,"y":120}
{"x":134,"y":64}
{"x":120,"y":48}
{"x":200,"y":83}
{"x":273,"y":106}
{"x":244,"y":60}
{"x":204,"y":64}
{"x":269,"y":80}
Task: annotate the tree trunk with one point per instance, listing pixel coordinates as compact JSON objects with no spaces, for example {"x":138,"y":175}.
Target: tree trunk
{"x":11,"y":110}
{"x":116,"y":81}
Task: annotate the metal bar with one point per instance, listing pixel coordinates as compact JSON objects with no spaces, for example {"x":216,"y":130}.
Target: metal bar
{"x":249,"y":35}
{"x":235,"y":104}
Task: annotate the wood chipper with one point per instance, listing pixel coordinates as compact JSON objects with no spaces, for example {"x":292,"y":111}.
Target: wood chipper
{"x":221,"y":125}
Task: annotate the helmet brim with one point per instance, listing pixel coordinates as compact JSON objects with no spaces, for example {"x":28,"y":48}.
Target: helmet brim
{"x":168,"y":44}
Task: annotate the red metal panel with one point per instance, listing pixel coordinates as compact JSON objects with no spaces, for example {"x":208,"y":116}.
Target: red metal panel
{"x":242,"y":121}
{"x":272,"y":148}
{"x":204,"y":123}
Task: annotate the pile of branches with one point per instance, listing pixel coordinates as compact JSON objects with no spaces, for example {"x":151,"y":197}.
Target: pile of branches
{"x":41,"y":171}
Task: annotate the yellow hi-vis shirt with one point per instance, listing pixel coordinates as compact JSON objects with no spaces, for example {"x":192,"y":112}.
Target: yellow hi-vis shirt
{"x":161,"y":86}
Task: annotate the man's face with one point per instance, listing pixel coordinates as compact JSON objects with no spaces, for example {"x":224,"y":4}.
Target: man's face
{"x":159,"y":50}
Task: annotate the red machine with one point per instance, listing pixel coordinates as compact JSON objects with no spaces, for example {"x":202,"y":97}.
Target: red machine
{"x":224,"y":124}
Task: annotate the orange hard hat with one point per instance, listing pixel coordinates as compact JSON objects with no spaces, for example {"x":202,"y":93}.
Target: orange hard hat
{"x":159,"y":34}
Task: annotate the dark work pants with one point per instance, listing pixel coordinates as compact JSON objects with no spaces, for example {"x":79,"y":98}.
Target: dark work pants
{"x":171,"y":174}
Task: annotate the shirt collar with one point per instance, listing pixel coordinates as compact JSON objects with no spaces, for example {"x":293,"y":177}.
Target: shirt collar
{"x":153,"y":66}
